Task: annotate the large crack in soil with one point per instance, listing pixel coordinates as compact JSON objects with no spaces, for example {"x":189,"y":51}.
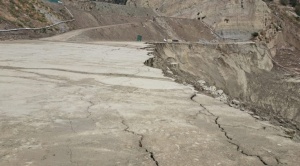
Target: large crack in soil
{"x":183,"y":77}
{"x":264,"y":93}
{"x":151,"y":154}
{"x":230,"y":139}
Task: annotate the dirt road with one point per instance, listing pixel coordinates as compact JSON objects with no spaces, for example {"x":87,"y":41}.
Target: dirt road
{"x":97,"y":104}
{"x":73,"y":34}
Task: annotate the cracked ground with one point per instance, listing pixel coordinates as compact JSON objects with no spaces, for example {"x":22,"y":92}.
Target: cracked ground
{"x":97,"y":104}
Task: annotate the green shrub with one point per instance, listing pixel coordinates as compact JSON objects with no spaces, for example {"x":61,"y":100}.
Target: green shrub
{"x":255,"y":34}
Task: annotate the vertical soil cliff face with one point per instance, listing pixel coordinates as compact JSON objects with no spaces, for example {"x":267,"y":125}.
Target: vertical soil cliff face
{"x":244,"y":71}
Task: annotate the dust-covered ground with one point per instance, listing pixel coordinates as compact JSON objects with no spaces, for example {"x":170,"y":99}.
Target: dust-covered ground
{"x":90,"y":103}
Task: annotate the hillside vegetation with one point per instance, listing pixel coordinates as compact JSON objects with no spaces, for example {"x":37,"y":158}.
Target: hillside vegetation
{"x":32,"y":14}
{"x":21,"y":13}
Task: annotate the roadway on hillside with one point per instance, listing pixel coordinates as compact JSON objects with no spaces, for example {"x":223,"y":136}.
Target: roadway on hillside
{"x":98,"y":104}
{"x":73,"y":34}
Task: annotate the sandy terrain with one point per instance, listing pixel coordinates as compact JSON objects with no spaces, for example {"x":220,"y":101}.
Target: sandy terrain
{"x":97,"y":104}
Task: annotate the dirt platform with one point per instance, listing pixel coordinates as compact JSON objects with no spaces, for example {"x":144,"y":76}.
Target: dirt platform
{"x":90,"y":103}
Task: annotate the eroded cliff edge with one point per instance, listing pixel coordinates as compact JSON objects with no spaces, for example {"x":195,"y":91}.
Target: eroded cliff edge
{"x":244,"y":71}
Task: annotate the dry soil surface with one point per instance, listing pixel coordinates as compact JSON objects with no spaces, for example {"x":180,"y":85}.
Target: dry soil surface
{"x":97,"y":104}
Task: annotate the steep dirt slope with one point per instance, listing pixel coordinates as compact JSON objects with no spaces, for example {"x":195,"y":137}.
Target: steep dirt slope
{"x":235,"y":19}
{"x":238,"y":19}
{"x":287,"y":42}
{"x":243,"y":71}
{"x":87,"y":14}
{"x":124,"y":23}
{"x":92,"y":14}
{"x":181,"y":29}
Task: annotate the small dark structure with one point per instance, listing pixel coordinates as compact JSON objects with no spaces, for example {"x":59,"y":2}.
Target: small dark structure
{"x":139,"y":38}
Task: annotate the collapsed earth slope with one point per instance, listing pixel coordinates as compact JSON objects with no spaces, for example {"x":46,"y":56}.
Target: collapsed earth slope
{"x":244,"y":71}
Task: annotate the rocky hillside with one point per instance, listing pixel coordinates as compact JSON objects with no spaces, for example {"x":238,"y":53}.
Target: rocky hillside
{"x":283,"y":37}
{"x":31,"y":14}
{"x":20,"y":13}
